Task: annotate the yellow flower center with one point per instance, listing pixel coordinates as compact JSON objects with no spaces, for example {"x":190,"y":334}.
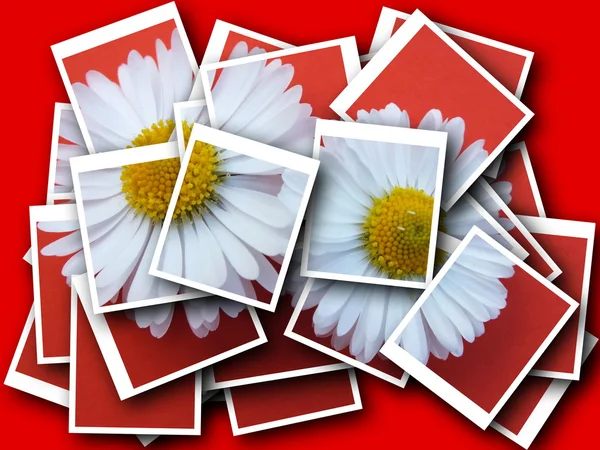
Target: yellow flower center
{"x":158,"y":133}
{"x":148,"y":186}
{"x":397,"y":230}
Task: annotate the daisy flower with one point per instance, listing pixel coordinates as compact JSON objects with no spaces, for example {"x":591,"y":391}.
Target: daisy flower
{"x":459,"y":165}
{"x":122,"y":212}
{"x":254,"y":100}
{"x":138,"y":110}
{"x":70,"y":144}
{"x":230,"y":207}
{"x":360,"y":318}
{"x":375,"y":209}
{"x":202,"y":315}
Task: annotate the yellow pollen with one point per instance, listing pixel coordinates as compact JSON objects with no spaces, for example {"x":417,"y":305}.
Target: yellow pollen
{"x":397,"y":230}
{"x":158,"y":133}
{"x":148,"y":186}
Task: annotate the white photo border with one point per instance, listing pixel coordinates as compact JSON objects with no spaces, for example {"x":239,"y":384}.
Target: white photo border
{"x":37,"y":214}
{"x":383,"y":57}
{"x":210,"y":382}
{"x":582,"y":230}
{"x":379,"y":133}
{"x":516,"y":248}
{"x":437,"y":384}
{"x":113,"y":159}
{"x":28,"y":384}
{"x":73,"y":428}
{"x":483,"y":186}
{"x":216,"y":45}
{"x":237,"y":430}
{"x":252,"y":149}
{"x":387,"y":20}
{"x":348,"y":48}
{"x":178,"y":109}
{"x":112,"y":32}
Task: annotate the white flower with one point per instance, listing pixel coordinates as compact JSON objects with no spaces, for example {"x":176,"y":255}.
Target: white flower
{"x":230,"y":234}
{"x":459,"y":165}
{"x":255,"y":100}
{"x":374,"y":209}
{"x":69,"y":131}
{"x":139,"y":109}
{"x":362,"y":317}
{"x":202,"y":315}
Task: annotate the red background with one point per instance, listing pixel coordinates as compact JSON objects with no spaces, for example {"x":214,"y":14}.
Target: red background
{"x":561,"y":90}
{"x":55,"y":298}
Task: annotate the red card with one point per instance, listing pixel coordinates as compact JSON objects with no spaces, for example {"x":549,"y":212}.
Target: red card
{"x":47,"y":381}
{"x":479,"y":328}
{"x":95,"y":406}
{"x":51,"y":291}
{"x":571,"y":244}
{"x":284,"y":402}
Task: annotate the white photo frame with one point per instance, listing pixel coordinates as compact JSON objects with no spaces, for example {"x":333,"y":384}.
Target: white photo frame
{"x":37,"y":214}
{"x":256,"y":150}
{"x":583,"y":230}
{"x":60,"y":111}
{"x":211,"y":383}
{"x":393,"y":135}
{"x":438,"y":385}
{"x":347,"y":46}
{"x":237,"y":430}
{"x":74,"y":428}
{"x":189,"y":112}
{"x":216,"y":45}
{"x":385,"y":29}
{"x":28,"y":384}
{"x":114,"y":159}
{"x":383,"y":57}
{"x":108,"y":33}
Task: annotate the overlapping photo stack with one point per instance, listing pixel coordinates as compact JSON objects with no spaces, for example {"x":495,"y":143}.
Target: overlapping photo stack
{"x":259,"y":227}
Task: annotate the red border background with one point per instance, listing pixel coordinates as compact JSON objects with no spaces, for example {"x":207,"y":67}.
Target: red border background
{"x":561,"y":90}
